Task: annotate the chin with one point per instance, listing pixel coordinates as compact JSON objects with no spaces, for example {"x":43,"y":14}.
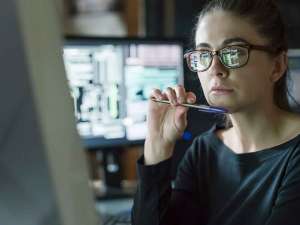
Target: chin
{"x":218,"y":104}
{"x":230,"y":107}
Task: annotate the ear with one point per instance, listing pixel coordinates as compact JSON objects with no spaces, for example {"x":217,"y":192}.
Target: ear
{"x":280,"y":66}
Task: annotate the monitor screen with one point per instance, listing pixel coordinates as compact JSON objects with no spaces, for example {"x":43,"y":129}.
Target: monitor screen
{"x":110,"y":81}
{"x":294,"y":69}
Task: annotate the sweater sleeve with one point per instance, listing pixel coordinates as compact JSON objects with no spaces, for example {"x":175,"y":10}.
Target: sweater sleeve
{"x":287,"y":204}
{"x":157,"y":203}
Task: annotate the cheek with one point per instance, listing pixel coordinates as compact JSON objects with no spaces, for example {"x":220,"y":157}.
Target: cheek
{"x":256,"y":77}
{"x":252,"y":84}
{"x":259,"y":69}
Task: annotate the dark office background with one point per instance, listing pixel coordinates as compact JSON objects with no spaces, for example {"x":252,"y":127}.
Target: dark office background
{"x":176,"y":19}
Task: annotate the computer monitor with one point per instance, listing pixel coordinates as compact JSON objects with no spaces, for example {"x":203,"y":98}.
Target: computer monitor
{"x":43,"y":171}
{"x":294,"y":70}
{"x":111,"y":80}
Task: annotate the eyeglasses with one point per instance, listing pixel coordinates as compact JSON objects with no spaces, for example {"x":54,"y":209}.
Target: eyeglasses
{"x":232,"y":57}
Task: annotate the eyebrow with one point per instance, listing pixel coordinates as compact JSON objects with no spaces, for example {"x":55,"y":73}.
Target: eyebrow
{"x":225,"y":42}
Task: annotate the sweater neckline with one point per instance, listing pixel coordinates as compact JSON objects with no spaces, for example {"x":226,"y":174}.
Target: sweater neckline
{"x":260,"y":155}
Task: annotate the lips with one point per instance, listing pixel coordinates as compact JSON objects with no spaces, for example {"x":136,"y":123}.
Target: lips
{"x":221,"y":90}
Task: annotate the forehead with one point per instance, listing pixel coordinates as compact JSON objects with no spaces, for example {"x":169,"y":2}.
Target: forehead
{"x":218,"y":26}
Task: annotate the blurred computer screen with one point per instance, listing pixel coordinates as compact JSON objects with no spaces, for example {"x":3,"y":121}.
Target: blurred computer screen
{"x":294,"y":85}
{"x":111,"y":80}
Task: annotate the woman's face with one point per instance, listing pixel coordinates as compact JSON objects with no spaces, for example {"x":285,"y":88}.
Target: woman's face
{"x":241,"y":88}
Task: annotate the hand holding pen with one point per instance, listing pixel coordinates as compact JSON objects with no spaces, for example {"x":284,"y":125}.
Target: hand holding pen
{"x":166,"y":122}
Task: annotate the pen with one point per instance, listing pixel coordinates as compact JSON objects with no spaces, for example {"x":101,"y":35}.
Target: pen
{"x":203,"y":108}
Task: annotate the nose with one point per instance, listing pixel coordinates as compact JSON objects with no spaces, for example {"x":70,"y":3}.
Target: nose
{"x":217,"y":68}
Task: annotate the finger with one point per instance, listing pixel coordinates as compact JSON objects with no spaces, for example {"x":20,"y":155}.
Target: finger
{"x":157,"y":94}
{"x":171,"y":94}
{"x":180,"y":121}
{"x":181,"y":95}
{"x":191,"y":97}
{"x":180,"y":118}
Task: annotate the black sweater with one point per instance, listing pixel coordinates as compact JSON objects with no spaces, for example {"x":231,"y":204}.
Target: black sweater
{"x":215,"y":186}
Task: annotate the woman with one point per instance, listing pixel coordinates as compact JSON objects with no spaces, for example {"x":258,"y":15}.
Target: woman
{"x":245,"y":172}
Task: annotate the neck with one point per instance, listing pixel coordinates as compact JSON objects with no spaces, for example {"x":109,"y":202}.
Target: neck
{"x":257,"y":128}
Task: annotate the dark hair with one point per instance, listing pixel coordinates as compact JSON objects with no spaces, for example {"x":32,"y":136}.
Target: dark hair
{"x":266,"y":16}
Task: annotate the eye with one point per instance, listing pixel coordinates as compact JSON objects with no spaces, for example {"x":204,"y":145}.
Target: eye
{"x":204,"y":54}
{"x":235,"y":51}
{"x":234,"y":56}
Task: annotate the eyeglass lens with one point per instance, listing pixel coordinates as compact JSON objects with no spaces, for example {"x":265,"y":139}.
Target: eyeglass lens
{"x":231,"y":57}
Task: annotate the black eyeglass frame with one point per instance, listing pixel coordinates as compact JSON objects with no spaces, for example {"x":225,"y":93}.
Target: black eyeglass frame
{"x":249,"y":47}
